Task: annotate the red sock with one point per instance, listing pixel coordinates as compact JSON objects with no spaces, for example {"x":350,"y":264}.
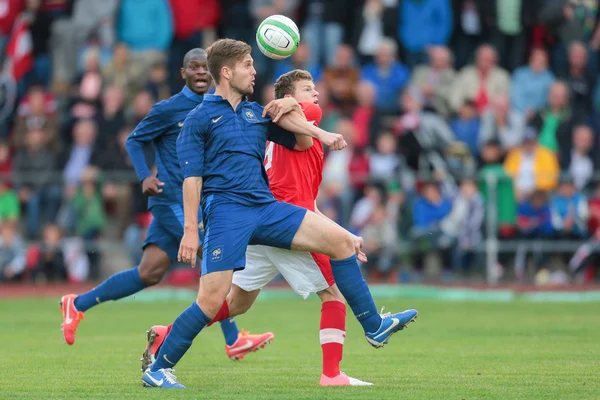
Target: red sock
{"x":222,"y":314}
{"x":332,"y":335}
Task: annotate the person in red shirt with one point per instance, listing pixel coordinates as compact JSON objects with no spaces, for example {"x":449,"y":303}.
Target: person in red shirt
{"x":295,"y":177}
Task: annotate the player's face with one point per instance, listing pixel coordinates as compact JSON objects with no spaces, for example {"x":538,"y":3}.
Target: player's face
{"x":196,"y":75}
{"x":305,"y":92}
{"x":242,"y":79}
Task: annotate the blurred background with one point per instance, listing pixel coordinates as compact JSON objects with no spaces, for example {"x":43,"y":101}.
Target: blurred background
{"x":473,"y":130}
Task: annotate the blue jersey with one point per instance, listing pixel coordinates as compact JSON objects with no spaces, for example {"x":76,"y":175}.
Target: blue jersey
{"x":162,"y":126}
{"x":227,"y":149}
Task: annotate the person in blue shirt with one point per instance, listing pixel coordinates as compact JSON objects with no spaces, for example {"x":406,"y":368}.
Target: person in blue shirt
{"x":221,"y":150}
{"x":161,"y":127}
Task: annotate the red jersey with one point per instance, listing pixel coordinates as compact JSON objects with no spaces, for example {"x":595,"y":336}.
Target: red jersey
{"x":295,"y":176}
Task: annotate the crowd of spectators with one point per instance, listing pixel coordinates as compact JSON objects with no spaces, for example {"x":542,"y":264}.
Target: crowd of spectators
{"x":443,"y":103}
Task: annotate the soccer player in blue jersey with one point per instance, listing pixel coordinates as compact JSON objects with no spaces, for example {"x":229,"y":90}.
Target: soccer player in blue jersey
{"x":161,"y":126}
{"x":221,"y":151}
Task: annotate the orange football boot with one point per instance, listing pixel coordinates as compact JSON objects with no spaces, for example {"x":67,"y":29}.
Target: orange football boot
{"x":247,"y":343}
{"x":71,"y":317}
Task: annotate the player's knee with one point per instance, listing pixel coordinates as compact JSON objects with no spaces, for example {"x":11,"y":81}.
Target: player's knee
{"x":328,"y":295}
{"x":151,"y":273}
{"x":342,"y":246}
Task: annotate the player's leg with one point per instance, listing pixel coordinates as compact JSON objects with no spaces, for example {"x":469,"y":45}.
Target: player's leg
{"x":153,"y":266}
{"x":230,"y":227}
{"x":211,"y":295}
{"x":313,"y":233}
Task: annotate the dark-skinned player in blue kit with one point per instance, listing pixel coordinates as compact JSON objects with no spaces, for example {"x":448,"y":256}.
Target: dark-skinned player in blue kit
{"x":161,"y":127}
{"x":221,"y":151}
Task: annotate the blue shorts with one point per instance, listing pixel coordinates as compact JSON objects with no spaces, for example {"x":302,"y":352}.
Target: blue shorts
{"x":231,"y":227}
{"x":166,"y":229}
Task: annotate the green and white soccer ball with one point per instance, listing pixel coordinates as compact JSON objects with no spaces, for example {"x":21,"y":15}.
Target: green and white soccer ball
{"x":277,"y":37}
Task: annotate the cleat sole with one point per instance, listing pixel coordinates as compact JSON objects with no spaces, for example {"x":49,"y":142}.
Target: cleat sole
{"x":147,"y":358}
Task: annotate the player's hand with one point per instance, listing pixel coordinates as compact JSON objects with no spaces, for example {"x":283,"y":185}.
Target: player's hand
{"x":188,"y":249}
{"x":358,"y":245}
{"x":278,"y":108}
{"x":334,"y":141}
{"x":151,"y":186}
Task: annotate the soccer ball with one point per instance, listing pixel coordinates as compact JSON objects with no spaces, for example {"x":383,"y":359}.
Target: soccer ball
{"x":277,"y":37}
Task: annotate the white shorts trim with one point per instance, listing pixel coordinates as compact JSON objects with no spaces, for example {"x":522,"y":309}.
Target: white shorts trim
{"x":298,"y":268}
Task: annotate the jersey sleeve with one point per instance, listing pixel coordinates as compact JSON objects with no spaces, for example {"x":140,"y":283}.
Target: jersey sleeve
{"x":277,"y":134}
{"x":191,"y":144}
{"x":151,"y":127}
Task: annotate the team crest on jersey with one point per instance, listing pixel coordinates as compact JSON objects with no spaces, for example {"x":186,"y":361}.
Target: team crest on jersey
{"x":217,"y":254}
{"x":250,"y":116}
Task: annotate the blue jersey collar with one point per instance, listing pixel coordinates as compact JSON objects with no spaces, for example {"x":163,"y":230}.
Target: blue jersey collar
{"x":191,"y":95}
{"x":216,"y":98}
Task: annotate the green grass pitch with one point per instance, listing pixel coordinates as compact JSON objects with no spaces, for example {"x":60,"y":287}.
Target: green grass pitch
{"x":456,"y":350}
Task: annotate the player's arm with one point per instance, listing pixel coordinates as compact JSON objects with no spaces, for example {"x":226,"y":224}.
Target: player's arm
{"x":151,"y":127}
{"x":277,"y":134}
{"x":358,"y":241}
{"x":190,"y":151}
{"x":298,"y":125}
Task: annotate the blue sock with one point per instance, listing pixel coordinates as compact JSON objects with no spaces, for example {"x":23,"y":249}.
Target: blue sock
{"x":183,"y":332}
{"x":354,"y":288}
{"x":230,"y":331}
{"x":116,"y":287}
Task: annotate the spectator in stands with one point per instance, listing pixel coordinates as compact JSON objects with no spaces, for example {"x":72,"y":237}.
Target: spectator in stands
{"x":571,"y":21}
{"x":80,"y":154}
{"x":112,"y":118}
{"x":86,"y":91}
{"x":35,"y":177}
{"x":436,"y":79}
{"x":420,"y":131}
{"x":364,"y":116}
{"x":341,"y":76}
{"x":324,"y":28}
{"x":509,"y":23}
{"x":50,"y":266}
{"x":482,"y":83}
{"x":384,"y":161}
{"x":37,"y":110}
{"x":569,"y":209}
{"x":146,"y":28}
{"x":301,"y":59}
{"x":530,"y":84}
{"x":381,"y":241}
{"x":365,"y":207}
{"x":377,"y":21}
{"x":121,"y":71}
{"x":423,"y":23}
{"x":577,"y":160}
{"x":580,"y":80}
{"x":534,"y":222}
{"x":117,"y":170}
{"x":469,"y":27}
{"x":506,"y":204}
{"x":556,"y":123}
{"x":532,"y":167}
{"x":466,"y":127}
{"x":12,"y":254}
{"x":429,"y":210}
{"x":503,"y":124}
{"x":6,"y":168}
{"x":88,"y":211}
{"x":157,"y":84}
{"x":388,"y":75}
{"x":463,"y":225}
